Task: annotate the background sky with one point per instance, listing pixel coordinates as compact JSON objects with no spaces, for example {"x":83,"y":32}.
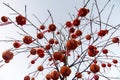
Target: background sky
{"x":59,"y":9}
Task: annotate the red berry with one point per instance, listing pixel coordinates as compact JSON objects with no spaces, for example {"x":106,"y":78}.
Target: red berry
{"x":27,"y":77}
{"x":115,"y":61}
{"x":27,"y":39}
{"x":115,"y":40}
{"x":47,"y":47}
{"x":78,"y":33}
{"x":7,"y":55}
{"x":40,"y":68}
{"x":76,"y":22}
{"x":16,"y":44}
{"x":40,"y":35}
{"x":4,"y":19}
{"x":52,"y":27}
{"x":103,"y":65}
{"x":71,"y":30}
{"x":102,"y":33}
{"x":40,"y":52}
{"x":71,"y":44}
{"x":109,"y":65}
{"x":42,"y":27}
{"x":33,"y":51}
{"x":68,"y":24}
{"x":88,"y":37}
{"x":21,"y":20}
{"x":51,"y":41}
{"x":83,"y":12}
{"x":105,"y":51}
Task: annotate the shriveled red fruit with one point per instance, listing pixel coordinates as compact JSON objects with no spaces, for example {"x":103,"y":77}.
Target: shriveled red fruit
{"x":16,"y":44}
{"x":102,"y":33}
{"x":32,"y":78}
{"x":109,"y":64}
{"x":7,"y":55}
{"x":88,"y":37}
{"x":51,"y":41}
{"x":71,"y":44}
{"x":48,"y":76}
{"x":4,"y":19}
{"x":40,"y":52}
{"x":115,"y":61}
{"x":78,"y":75}
{"x":92,"y":51}
{"x":40,"y":35}
{"x":55,"y":75}
{"x":103,"y":65}
{"x":33,"y":51}
{"x":52,"y":27}
{"x":96,"y":77}
{"x":73,"y":36}
{"x":27,"y":39}
{"x":42,"y":27}
{"x":94,"y":68}
{"x":56,"y":42}
{"x":78,"y":32}
{"x":68,"y":24}
{"x":65,"y":71}
{"x":76,"y":22}
{"x":105,"y":51}
{"x":71,"y":30}
{"x":47,"y":47}
{"x":82,"y":12}
{"x":32,"y":62}
{"x":40,"y":68}
{"x":57,"y":55}
{"x":21,"y":20}
{"x":27,"y":77}
{"x":63,"y":58}
{"x":115,"y":40}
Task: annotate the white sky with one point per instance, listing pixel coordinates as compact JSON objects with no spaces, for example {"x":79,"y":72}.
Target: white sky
{"x":59,"y":9}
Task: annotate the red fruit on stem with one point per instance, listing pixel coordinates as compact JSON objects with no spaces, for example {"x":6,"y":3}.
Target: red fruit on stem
{"x":94,"y":68}
{"x":65,"y":71}
{"x":103,"y":65}
{"x":27,"y":39}
{"x":7,"y":55}
{"x":21,"y":20}
{"x":33,"y":51}
{"x":52,"y":27}
{"x":40,"y":52}
{"x":42,"y":27}
{"x":82,"y":12}
{"x":78,"y":33}
{"x":27,"y":77}
{"x":40,"y":68}
{"x":76,"y":22}
{"x":51,"y":41}
{"x":115,"y":61}
{"x":55,"y":75}
{"x":115,"y":40}
{"x":4,"y":19}
{"x":105,"y":51}
{"x":88,"y":37}
{"x":68,"y":24}
{"x":71,"y":44}
{"x":40,"y":35}
{"x":57,"y":55}
{"x":16,"y":44}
